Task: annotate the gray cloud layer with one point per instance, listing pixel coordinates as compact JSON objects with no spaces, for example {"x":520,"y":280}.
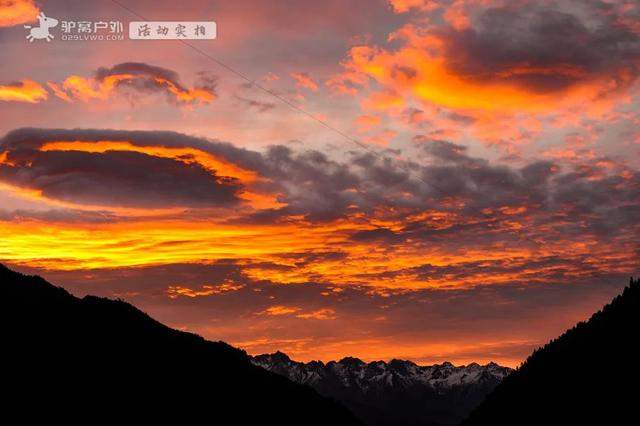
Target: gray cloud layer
{"x":547,"y":48}
{"x":116,"y":178}
{"x":320,"y":188}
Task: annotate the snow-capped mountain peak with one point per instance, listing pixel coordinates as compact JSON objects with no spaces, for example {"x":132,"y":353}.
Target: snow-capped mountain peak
{"x":353,"y":372}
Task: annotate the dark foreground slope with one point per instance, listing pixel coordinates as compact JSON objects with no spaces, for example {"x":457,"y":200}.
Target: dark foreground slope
{"x":589,"y":375}
{"x":97,"y":360}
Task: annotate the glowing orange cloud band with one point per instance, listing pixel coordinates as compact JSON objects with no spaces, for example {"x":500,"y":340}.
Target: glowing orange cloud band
{"x":25,"y":91}
{"x":435,"y":83}
{"x":165,"y":241}
{"x":86,"y":89}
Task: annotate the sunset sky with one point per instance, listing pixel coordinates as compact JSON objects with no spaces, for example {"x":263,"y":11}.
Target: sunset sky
{"x":433,"y":180}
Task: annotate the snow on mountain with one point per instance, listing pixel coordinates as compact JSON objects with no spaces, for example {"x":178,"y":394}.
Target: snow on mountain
{"x":353,"y":372}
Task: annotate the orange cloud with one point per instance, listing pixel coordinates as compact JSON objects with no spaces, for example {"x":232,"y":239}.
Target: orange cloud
{"x":16,"y":12}
{"x":463,"y":64}
{"x":347,"y":83}
{"x":320,"y":314}
{"x":87,"y":89}
{"x":384,"y":100}
{"x":491,"y":67}
{"x":422,"y":70}
{"x":279,"y":310}
{"x":304,"y":80}
{"x":323,"y":314}
{"x":176,"y":291}
{"x":136,"y":77}
{"x":59,"y":92}
{"x":457,"y":16}
{"x":24,"y":91}
{"x":402,"y":6}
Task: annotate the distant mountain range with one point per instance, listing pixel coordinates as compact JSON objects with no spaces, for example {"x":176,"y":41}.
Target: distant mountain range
{"x":397,"y":393}
{"x":94,"y":360}
{"x":587,"y":376}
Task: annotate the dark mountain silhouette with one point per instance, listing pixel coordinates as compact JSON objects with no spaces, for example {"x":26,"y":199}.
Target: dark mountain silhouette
{"x":589,"y":375}
{"x":95,"y":360}
{"x":397,"y":393}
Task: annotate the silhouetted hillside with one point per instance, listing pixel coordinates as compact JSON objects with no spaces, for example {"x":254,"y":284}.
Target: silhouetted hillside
{"x":589,"y":375}
{"x":94,"y":359}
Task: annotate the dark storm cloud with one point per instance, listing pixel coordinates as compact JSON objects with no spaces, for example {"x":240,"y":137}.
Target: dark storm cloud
{"x":117,"y":178}
{"x":546,"y":47}
{"x":127,"y":179}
